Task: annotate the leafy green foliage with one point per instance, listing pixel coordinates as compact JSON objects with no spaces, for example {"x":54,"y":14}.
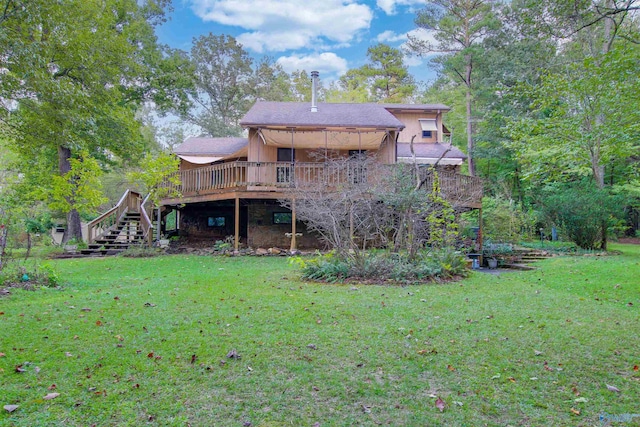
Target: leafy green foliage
{"x":80,"y":188}
{"x":581,"y":209}
{"x":506,"y":221}
{"x":383,"y":267}
{"x":159,"y":176}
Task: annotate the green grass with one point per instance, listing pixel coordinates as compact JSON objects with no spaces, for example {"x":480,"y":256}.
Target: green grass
{"x":381,"y":354}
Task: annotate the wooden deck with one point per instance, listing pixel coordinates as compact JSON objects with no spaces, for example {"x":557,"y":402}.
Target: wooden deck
{"x":271,"y":180}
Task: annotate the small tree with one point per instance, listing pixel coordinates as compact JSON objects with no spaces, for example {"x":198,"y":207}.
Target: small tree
{"x":581,"y":209}
{"x":159,"y":177}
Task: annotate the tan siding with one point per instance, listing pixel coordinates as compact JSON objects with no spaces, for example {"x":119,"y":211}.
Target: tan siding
{"x":411,"y":121}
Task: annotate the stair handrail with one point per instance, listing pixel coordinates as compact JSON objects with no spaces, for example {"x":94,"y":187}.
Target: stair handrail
{"x":99,"y":226}
{"x":145,"y":222}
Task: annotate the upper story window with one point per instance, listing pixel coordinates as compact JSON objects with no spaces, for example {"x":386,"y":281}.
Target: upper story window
{"x":428,"y":127}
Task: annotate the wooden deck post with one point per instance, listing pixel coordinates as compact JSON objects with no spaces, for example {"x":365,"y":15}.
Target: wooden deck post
{"x":236,"y":240}
{"x":294,"y":243}
{"x":480,"y":236}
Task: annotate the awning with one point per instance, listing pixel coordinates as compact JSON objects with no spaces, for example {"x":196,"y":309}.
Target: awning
{"x":200,"y":160}
{"x":432,"y":160}
{"x":333,"y":140}
{"x":428,"y":124}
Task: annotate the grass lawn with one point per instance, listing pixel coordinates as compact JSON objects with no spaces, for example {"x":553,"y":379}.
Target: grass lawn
{"x":145,"y":342}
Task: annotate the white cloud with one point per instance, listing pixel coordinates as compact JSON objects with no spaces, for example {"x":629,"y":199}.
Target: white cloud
{"x":411,"y":61}
{"x":389,"y":6}
{"x":389,"y":36}
{"x":278,"y":25}
{"x":421,"y":35}
{"x":326,"y":63}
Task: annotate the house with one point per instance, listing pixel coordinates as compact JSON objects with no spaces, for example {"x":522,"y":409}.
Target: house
{"x":231,"y":186}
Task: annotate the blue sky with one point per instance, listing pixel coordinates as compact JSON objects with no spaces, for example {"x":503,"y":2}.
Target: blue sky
{"x":330,"y":36}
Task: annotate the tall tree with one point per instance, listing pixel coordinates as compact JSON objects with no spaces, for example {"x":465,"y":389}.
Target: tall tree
{"x":385,"y":78}
{"x":75,"y":72}
{"x":223,"y":76}
{"x":389,"y":77}
{"x":458,"y":27}
{"x":270,"y":81}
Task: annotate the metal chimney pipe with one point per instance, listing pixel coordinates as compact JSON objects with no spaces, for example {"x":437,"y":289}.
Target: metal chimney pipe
{"x":314,"y":91}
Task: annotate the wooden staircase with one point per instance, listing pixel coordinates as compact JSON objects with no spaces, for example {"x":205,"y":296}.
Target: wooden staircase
{"x":125,"y":225}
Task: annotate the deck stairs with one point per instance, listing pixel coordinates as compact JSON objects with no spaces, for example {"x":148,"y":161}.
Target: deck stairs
{"x":124,"y":226}
{"x":524,"y":257}
{"x":126,"y":233}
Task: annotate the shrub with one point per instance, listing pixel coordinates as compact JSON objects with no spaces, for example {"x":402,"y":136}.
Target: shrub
{"x":382,"y":266}
{"x":505,"y":220}
{"x":581,"y":209}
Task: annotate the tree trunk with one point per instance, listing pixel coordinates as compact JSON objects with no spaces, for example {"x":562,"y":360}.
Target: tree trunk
{"x":74,"y":227}
{"x":470,"y":154}
{"x":4,"y":231}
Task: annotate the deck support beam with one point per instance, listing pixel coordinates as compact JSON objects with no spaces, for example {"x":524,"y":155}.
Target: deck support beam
{"x":480,"y":236}
{"x":294,"y":243}
{"x":236,"y":237}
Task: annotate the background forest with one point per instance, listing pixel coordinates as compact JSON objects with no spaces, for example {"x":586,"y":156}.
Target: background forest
{"x":544,"y":98}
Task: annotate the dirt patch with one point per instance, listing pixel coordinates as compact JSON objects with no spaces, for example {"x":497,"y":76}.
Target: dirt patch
{"x":630,"y":240}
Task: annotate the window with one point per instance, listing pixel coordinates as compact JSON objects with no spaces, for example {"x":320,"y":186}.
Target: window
{"x":428,"y":126}
{"x":216,"y":221}
{"x":286,"y":154}
{"x":282,"y":218}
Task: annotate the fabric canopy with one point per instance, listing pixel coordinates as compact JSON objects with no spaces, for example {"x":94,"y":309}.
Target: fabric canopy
{"x":431,"y":160}
{"x":364,"y":140}
{"x":428,"y":124}
{"x":200,"y":160}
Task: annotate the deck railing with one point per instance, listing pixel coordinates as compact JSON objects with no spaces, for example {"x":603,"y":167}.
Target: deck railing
{"x":130,"y":202}
{"x":281,"y":175}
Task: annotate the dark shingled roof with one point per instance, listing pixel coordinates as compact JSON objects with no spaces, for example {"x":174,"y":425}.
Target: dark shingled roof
{"x":418,"y":107}
{"x":298,"y":114}
{"x":429,"y":150}
{"x":193,"y":146}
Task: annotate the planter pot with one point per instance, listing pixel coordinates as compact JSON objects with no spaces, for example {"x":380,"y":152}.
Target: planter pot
{"x":492,"y":262}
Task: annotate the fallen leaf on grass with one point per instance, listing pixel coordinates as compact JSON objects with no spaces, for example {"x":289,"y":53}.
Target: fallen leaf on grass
{"x":20,"y":369}
{"x":575,"y":411}
{"x":68,"y":354}
{"x":98,"y":323}
{"x":613,"y":388}
{"x":440,"y":404}
{"x":451,"y":368}
{"x":11,"y":408}
{"x":581,"y":400}
{"x":193,"y":358}
{"x":51,"y":396}
{"x":635,"y":367}
{"x":51,"y":387}
{"x":3,"y":355}
{"x":233,"y":354}
{"x":85,"y":309}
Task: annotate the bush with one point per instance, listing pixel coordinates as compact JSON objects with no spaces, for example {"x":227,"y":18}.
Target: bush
{"x":17,"y":275}
{"x":505,"y":221}
{"x":381,"y":267}
{"x":581,"y":209}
